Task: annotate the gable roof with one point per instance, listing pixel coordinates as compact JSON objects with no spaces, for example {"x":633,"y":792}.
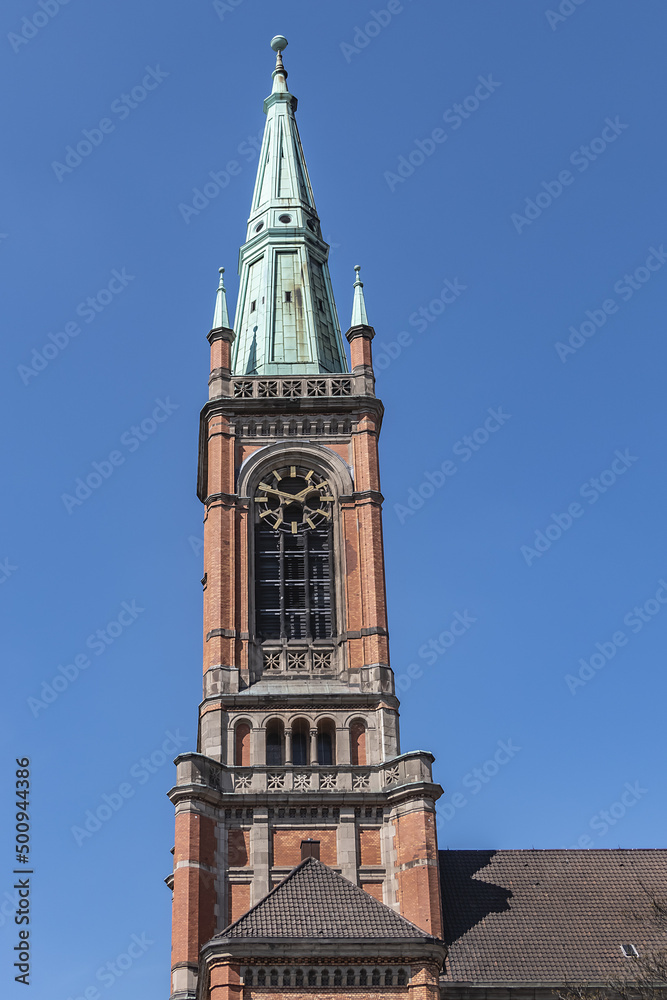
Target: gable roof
{"x":547,"y":916}
{"x":314,"y":901}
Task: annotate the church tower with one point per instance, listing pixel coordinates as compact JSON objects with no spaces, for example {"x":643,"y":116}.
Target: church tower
{"x":305,"y":855}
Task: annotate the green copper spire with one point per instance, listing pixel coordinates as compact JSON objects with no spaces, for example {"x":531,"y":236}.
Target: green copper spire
{"x":286,"y":321}
{"x":221,"y":316}
{"x":359,"y":317}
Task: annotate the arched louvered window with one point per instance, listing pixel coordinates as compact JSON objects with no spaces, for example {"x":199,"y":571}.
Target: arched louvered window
{"x":293,"y":545}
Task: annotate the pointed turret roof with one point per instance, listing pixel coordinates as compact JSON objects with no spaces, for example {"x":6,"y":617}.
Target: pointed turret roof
{"x":359,"y":317}
{"x":221,"y":316}
{"x":286,"y":321}
{"x":315,"y":902}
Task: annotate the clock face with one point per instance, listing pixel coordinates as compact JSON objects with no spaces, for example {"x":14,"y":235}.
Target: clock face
{"x":294,"y":498}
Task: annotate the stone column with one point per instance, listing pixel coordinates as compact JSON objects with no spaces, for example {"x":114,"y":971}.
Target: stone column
{"x":257,"y":746}
{"x":313,"y":746}
{"x":347,"y":844}
{"x":260,"y":853}
{"x":288,"y":746}
{"x":342,"y":745}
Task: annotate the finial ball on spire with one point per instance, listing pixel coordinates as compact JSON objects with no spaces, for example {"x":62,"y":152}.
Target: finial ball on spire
{"x":278,"y":43}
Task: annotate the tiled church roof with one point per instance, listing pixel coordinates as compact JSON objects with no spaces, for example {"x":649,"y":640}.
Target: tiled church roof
{"x":548,"y":916}
{"x":315,"y":902}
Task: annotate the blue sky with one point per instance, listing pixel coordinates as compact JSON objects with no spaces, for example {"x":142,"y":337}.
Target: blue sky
{"x":540,"y":201}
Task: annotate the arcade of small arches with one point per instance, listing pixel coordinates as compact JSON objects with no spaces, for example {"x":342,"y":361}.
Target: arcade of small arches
{"x":302,"y":742}
{"x":351,"y":977}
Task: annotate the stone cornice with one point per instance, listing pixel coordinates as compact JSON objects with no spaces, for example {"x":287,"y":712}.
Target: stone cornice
{"x":385,"y":949}
{"x":231,"y":406}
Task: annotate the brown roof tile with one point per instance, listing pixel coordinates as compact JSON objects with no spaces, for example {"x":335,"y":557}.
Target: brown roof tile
{"x":547,"y":916}
{"x":314,"y":901}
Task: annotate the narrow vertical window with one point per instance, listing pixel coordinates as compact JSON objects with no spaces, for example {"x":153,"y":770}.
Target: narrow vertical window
{"x":357,"y":742}
{"x":275,"y":743}
{"x":300,"y":742}
{"x":242,"y":745}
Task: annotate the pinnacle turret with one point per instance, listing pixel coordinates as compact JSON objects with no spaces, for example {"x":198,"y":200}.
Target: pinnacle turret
{"x":359,"y":316}
{"x":286,"y":320}
{"x":221,"y":316}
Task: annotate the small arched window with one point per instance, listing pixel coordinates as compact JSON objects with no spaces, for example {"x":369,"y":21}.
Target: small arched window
{"x":273,"y":976}
{"x":275,"y":743}
{"x":363,"y":978}
{"x":376,"y":977}
{"x":312,"y":977}
{"x":261,"y":977}
{"x":350,"y":977}
{"x":300,"y":739}
{"x":324,"y":978}
{"x":402,"y":977}
{"x":338,"y":978}
{"x":326,"y":742}
{"x":242,"y":745}
{"x":358,"y":742}
{"x":298,"y":977}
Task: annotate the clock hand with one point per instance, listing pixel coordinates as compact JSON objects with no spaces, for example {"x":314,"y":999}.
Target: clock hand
{"x":310,"y":489}
{"x":288,"y":496}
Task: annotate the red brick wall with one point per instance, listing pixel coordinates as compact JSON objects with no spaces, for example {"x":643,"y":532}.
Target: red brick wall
{"x":419,"y":885}
{"x":238,"y":848}
{"x":357,"y":743}
{"x":287,"y":846}
{"x":242,"y":745}
{"x":239,"y":900}
{"x":369,"y":847}
{"x":373,"y":889}
{"x":225,"y":983}
{"x":193,"y":907}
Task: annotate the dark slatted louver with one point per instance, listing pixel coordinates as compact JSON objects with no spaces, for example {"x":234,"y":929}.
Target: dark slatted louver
{"x":293,"y":584}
